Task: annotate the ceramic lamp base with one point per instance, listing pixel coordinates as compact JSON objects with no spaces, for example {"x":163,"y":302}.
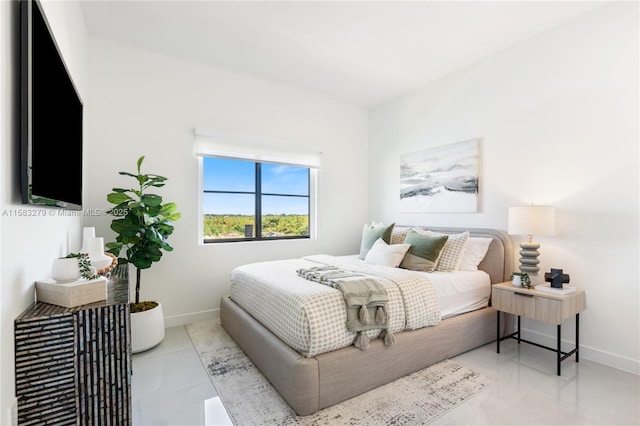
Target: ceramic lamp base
{"x":529,"y":257}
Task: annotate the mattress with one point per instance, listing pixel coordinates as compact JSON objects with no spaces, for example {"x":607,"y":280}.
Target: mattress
{"x":311,"y":317}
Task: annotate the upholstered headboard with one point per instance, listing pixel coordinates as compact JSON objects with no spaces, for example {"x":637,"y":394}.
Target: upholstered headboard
{"x":498,"y":262}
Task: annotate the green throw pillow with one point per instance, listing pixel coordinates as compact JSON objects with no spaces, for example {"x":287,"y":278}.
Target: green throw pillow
{"x":370,"y":233}
{"x":424,"y":251}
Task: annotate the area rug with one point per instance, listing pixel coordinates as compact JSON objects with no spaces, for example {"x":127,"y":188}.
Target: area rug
{"x":250,"y":400}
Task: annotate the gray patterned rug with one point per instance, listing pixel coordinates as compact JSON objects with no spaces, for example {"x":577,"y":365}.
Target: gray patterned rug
{"x":249,"y":398}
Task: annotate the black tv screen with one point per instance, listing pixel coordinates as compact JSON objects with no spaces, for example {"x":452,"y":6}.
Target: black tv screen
{"x":51,"y":118}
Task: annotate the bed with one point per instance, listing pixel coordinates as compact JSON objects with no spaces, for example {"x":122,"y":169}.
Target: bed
{"x":311,"y":374}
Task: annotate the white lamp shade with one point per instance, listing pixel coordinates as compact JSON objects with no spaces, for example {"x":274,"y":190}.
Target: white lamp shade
{"x":531,"y":220}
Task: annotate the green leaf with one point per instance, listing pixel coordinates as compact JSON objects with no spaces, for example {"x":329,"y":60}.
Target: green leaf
{"x":113,"y":246}
{"x":168,"y":208}
{"x":167,"y":247}
{"x":124,"y":225}
{"x":118,"y":198}
{"x":151,"y":200}
{"x":139,"y":163}
{"x":142,"y":179}
{"x":141,"y":263}
{"x":114,"y":249}
{"x":173,"y":217}
{"x":157,"y":181}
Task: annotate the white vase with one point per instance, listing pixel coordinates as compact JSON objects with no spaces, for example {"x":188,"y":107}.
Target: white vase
{"x":517,"y":281}
{"x":96,"y":253}
{"x":65,"y":270}
{"x":147,"y":329}
{"x":87,"y":234}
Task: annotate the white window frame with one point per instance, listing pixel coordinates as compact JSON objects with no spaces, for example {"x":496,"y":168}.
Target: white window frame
{"x":243,"y":147}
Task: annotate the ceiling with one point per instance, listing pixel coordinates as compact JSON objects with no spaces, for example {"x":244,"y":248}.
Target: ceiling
{"x":361,"y":52}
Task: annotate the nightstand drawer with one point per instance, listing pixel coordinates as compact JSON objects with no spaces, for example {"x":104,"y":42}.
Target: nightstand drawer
{"x":534,"y":304}
{"x":555,"y":311}
{"x":514,"y":302}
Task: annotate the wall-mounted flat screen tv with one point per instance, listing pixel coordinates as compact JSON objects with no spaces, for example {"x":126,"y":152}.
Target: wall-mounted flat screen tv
{"x":51,"y":117}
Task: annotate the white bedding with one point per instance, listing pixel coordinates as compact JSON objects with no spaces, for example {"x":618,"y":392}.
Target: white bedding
{"x":311,"y":317}
{"x":462,"y":291}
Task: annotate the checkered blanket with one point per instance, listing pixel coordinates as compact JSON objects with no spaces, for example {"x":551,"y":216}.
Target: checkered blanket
{"x":364,"y":297}
{"x":310,"y":317}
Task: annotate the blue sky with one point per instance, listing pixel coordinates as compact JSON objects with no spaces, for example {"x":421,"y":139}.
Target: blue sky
{"x":236,"y":175}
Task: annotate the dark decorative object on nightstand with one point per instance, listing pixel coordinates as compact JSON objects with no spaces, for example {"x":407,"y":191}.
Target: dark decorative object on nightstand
{"x":556,"y":278}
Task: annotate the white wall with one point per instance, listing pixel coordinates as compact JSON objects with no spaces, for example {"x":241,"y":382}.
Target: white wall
{"x":558,"y":118}
{"x":144,"y":103}
{"x":29,"y":244}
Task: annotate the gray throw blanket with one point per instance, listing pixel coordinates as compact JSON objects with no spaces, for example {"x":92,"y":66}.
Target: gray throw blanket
{"x":365,"y":300}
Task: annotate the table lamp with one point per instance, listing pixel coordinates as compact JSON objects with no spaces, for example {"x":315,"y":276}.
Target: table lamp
{"x":530,"y":221}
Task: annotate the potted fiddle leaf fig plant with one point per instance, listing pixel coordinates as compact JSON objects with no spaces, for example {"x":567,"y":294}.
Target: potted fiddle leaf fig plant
{"x":142,"y":223}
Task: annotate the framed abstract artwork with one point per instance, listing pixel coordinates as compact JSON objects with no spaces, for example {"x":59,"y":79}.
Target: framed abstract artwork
{"x":441,"y":180}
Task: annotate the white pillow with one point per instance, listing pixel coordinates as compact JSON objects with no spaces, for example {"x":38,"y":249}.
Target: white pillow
{"x":475,"y":251}
{"x":384,"y":254}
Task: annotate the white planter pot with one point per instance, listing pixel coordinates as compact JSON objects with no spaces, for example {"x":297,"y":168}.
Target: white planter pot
{"x":147,"y":329}
{"x":517,"y":281}
{"x":65,"y":270}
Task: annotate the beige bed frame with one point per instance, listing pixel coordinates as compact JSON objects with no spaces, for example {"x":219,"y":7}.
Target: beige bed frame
{"x":311,"y":384}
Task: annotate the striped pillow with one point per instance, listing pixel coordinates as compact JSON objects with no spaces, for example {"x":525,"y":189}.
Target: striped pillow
{"x":453,"y":251}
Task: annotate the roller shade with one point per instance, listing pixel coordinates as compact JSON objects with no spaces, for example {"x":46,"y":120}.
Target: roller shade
{"x":230,"y":145}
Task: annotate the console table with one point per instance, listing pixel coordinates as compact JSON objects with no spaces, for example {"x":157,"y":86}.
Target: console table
{"x":73,"y":365}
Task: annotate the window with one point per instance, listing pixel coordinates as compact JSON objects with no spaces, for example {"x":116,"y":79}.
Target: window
{"x":247,"y":200}
{"x":254,"y":189}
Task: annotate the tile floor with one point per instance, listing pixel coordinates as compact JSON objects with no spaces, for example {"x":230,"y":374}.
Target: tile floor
{"x":171,"y":387}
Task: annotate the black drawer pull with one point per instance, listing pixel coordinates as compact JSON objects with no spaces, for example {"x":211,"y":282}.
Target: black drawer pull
{"x":523,"y":294}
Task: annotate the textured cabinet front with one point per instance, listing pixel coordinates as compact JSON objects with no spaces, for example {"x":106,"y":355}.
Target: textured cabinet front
{"x":73,"y":366}
{"x":103,"y":375}
{"x":45,"y":370}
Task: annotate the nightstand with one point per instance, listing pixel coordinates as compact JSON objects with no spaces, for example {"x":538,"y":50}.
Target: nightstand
{"x":539,"y":305}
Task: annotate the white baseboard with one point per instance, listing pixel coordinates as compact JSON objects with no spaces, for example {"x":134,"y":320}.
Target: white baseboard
{"x":184,"y":319}
{"x":587,"y":352}
{"x":14,"y":412}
